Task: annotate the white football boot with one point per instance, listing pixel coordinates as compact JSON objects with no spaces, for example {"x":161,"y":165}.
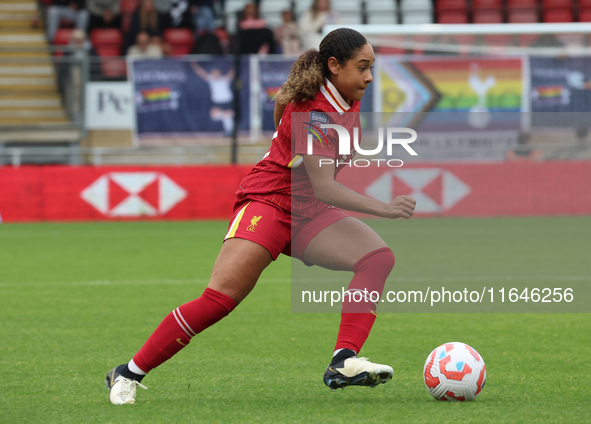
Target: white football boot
{"x":122,"y":389}
{"x":355,"y":371}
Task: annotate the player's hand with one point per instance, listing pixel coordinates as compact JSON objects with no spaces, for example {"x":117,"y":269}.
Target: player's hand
{"x":401,"y":207}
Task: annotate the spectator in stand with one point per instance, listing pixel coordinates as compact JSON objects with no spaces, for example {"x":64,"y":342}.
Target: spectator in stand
{"x":104,"y":14}
{"x":250,"y":18}
{"x":312,"y":22}
{"x":69,"y":72}
{"x":147,"y":19}
{"x":144,"y":48}
{"x":74,"y":10}
{"x":208,"y":43}
{"x":253,"y":35}
{"x":287,"y":35}
{"x":164,"y":46}
{"x":202,"y":12}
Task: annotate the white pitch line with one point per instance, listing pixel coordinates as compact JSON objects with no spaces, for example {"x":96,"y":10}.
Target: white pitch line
{"x":506,"y":278}
{"x":301,"y":280}
{"x":380,"y":231}
{"x":124,"y":282}
{"x":126,"y":234}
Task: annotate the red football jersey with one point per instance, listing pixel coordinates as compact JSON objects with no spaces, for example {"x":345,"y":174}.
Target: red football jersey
{"x":280,"y":177}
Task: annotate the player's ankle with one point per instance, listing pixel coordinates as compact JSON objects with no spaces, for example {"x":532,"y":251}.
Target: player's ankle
{"x":127,"y":373}
{"x":341,"y":355}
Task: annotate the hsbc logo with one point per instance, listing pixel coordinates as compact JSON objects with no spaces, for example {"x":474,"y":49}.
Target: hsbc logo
{"x":436,"y":190}
{"x":133,"y":194}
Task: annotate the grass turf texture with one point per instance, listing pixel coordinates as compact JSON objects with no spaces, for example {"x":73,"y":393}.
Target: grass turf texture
{"x":78,"y":299}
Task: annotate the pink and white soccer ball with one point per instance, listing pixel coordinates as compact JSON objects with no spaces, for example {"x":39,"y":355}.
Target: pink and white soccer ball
{"x":454,"y":371}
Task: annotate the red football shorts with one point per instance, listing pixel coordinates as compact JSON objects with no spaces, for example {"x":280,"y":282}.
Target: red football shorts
{"x":271,"y":227}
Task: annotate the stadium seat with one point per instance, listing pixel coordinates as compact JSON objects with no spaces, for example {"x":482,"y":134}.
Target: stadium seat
{"x":349,"y":11}
{"x":107,"y":41}
{"x":351,"y":18}
{"x":522,"y":16}
{"x":231,"y":9}
{"x":383,"y":18}
{"x":346,"y":6}
{"x":108,"y":51}
{"x":585,"y":15}
{"x":558,"y":15}
{"x":62,"y":36}
{"x":271,"y":11}
{"x":451,"y":5}
{"x":180,"y":39}
{"x":522,"y":4}
{"x":382,"y":12}
{"x":453,"y":17}
{"x":561,"y":4}
{"x":417,"y":11}
{"x":301,"y":6}
{"x":487,"y":4}
{"x":408,"y":5}
{"x":488,"y":16}
{"x":424,"y":17}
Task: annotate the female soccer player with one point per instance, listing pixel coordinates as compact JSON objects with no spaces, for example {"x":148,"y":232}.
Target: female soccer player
{"x":287,"y":193}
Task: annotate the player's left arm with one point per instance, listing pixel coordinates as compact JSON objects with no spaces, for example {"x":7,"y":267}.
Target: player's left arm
{"x":326,"y":189}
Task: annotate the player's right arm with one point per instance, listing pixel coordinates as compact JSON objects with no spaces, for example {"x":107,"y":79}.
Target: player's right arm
{"x":328,"y":190}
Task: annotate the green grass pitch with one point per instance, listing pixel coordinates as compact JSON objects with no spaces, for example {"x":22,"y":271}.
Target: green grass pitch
{"x":78,"y":299}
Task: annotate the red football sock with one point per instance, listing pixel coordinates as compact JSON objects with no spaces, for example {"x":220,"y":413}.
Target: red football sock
{"x":357,"y":318}
{"x":177,"y":329}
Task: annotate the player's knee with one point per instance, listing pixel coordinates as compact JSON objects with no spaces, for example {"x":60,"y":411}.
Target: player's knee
{"x":381,"y":259}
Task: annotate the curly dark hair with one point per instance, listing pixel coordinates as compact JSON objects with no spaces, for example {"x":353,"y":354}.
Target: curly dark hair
{"x":309,"y":71}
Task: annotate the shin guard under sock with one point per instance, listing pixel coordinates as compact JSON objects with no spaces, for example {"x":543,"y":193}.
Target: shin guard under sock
{"x":177,"y":329}
{"x":357,"y":318}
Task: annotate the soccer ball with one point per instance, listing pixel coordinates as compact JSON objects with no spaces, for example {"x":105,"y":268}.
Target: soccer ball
{"x":454,"y":371}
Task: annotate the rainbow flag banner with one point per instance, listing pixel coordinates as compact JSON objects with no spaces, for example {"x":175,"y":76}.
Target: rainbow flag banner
{"x":445,"y":94}
{"x":461,"y":108}
{"x":157,"y":94}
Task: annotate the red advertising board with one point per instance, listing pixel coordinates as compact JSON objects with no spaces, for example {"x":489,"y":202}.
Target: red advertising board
{"x":66,"y":193}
